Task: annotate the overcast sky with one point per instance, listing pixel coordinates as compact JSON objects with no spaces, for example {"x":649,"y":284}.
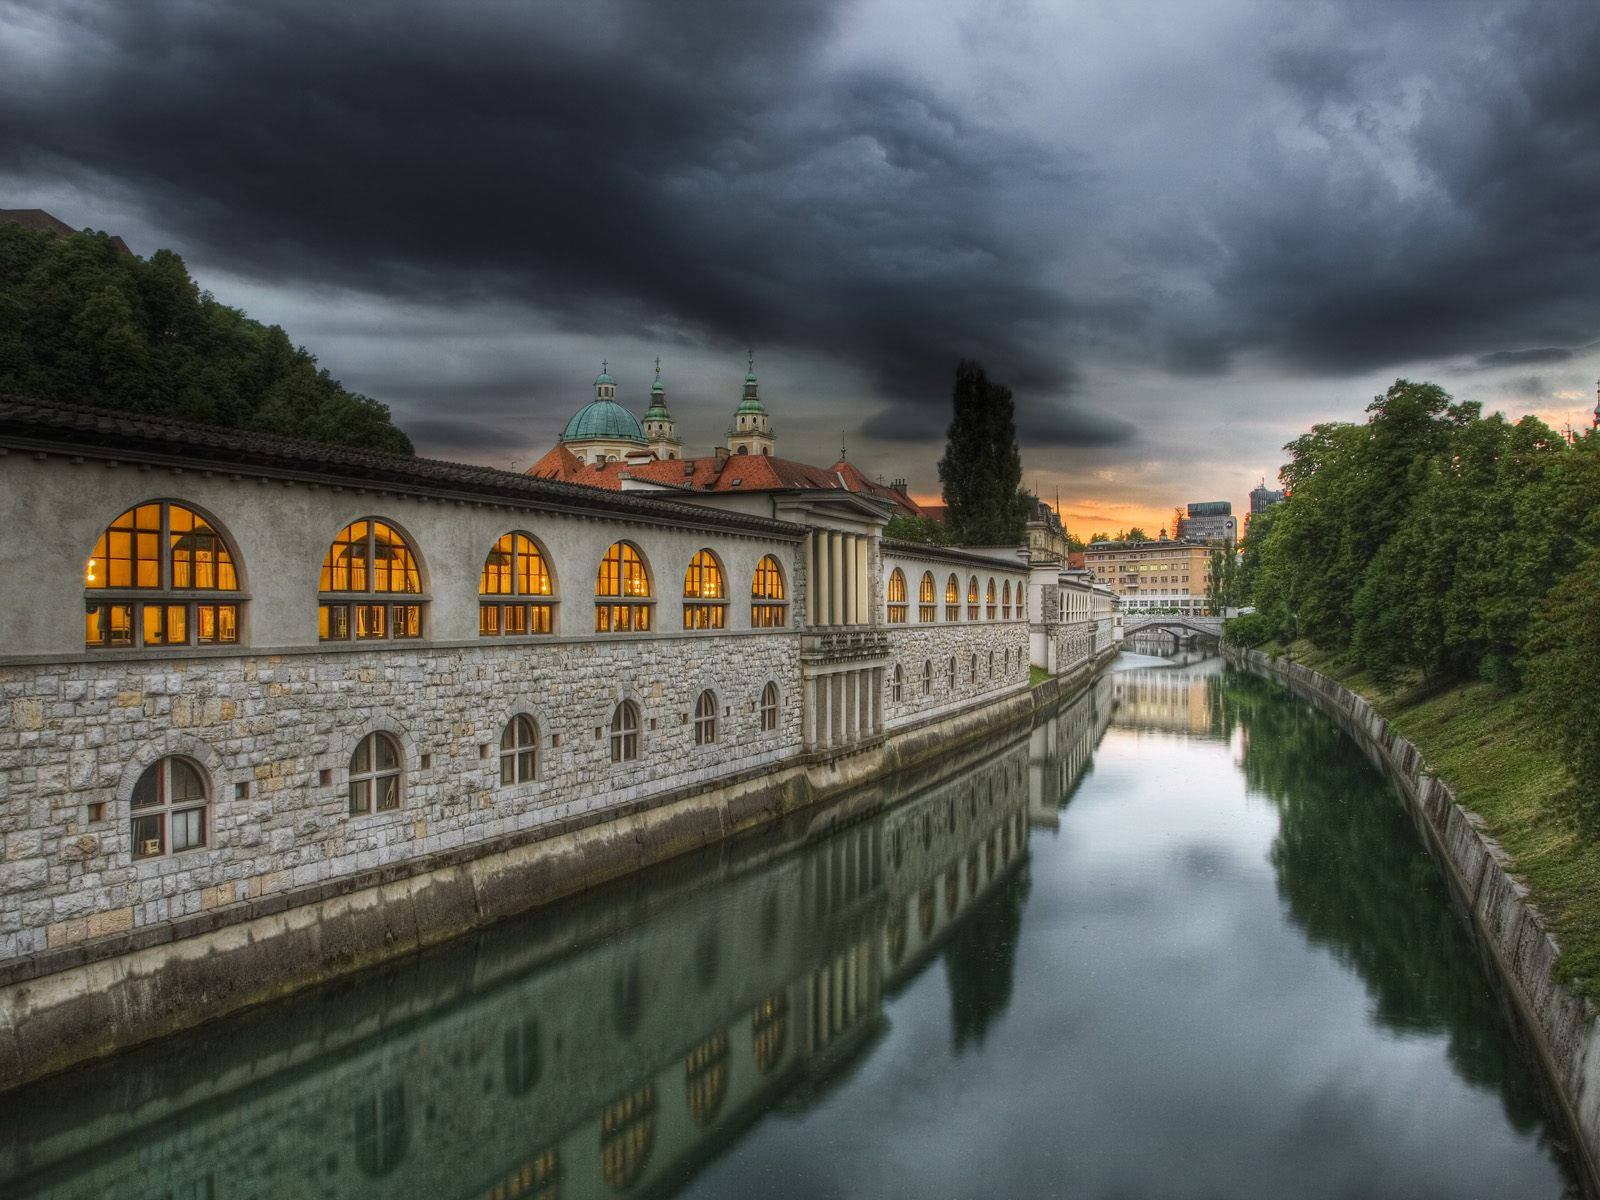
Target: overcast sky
{"x":1181,"y":231}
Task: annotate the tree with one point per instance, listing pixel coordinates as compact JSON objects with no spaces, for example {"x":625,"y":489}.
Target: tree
{"x":981,"y":470}
{"x":1099,"y":537}
{"x":906,"y":528}
{"x":85,"y":323}
{"x":1136,"y":534}
{"x":1177,"y":521}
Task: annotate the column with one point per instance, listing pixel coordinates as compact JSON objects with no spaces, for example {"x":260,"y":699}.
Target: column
{"x":835,"y":579}
{"x":864,"y":584}
{"x":852,"y":706}
{"x":808,"y":713}
{"x":810,"y":556}
{"x":836,"y":706}
{"x":847,"y":580}
{"x":823,"y":695}
{"x":877,"y":701}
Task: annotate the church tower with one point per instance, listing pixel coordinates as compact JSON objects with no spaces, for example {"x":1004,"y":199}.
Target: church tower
{"x":751,"y":432}
{"x":659,"y":427}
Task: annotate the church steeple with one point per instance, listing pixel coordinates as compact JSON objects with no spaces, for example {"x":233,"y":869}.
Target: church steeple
{"x":659,"y":427}
{"x":751,"y":432}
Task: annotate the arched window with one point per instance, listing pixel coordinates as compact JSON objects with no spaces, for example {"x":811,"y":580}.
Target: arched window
{"x":519,"y":751}
{"x":514,"y":594}
{"x":991,"y":664}
{"x":973,"y":668}
{"x":706,"y":1077}
{"x":705,"y":718}
{"x":768,"y":606}
{"x":898,"y":692}
{"x":622,"y":591}
{"x":627,"y":1135}
{"x":952,"y":599}
{"x":927,"y":604}
{"x":927,"y":677}
{"x":1005,"y":602}
{"x":625,"y":732}
{"x":160,"y":575}
{"x":769,"y":707}
{"x":897,"y":597}
{"x":375,"y":776}
{"x":989,"y":606}
{"x":705,"y":600}
{"x":368,"y":562}
{"x":951,"y":673}
{"x":972,"y":598}
{"x":768,"y":1025}
{"x":169,"y":808}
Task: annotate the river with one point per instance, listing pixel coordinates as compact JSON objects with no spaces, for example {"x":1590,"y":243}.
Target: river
{"x":1178,"y":941}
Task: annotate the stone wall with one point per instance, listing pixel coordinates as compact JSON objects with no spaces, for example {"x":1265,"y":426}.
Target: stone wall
{"x":1509,"y":930}
{"x":988,"y":647}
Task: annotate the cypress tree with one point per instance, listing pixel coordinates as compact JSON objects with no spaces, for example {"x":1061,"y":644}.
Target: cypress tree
{"x":981,"y":470}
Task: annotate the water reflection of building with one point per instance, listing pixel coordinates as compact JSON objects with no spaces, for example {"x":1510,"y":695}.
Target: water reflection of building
{"x":509,"y":1065}
{"x":1060,"y":749}
{"x":1163,"y":698}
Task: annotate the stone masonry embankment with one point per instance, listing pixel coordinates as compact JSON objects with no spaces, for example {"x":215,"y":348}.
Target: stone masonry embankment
{"x":62,"y":1007}
{"x":1508,"y":929}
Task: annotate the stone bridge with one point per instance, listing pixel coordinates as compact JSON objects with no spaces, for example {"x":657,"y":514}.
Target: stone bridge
{"x":1178,"y":626}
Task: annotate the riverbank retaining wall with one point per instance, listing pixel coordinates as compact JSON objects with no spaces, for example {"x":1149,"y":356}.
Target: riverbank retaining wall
{"x":1508,"y":928}
{"x":65,"y":1006}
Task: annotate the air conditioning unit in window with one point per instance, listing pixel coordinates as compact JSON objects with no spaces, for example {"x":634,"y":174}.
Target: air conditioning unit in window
{"x":149,"y":847}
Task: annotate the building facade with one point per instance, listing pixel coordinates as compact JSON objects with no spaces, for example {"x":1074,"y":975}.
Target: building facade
{"x":242,"y":670}
{"x":1158,"y":575}
{"x":1209,"y":521}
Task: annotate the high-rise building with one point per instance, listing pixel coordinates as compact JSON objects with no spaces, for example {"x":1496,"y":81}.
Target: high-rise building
{"x":1210,"y":521}
{"x":1262,"y":497}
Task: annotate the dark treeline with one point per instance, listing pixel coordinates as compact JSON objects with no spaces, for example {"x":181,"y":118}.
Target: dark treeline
{"x":1436,"y":542}
{"x":84,"y":322}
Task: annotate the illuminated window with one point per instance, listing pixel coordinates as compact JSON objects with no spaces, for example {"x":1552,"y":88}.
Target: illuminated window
{"x":769,"y":707}
{"x":144,"y":575}
{"x":972,"y":598}
{"x":989,"y":605}
{"x":898,"y":692}
{"x":768,"y":1025}
{"x":625,"y":732}
{"x":369,"y":562}
{"x":768,"y":606}
{"x":519,"y":751}
{"x":627,"y":1135}
{"x":952,"y":599}
{"x":1005,"y":602}
{"x":706,"y":1077}
{"x":169,"y":809}
{"x":514,"y":592}
{"x":927,"y":605}
{"x":622,"y":591}
{"x":705,"y":602}
{"x":705,"y":718}
{"x":375,"y":774}
{"x":897,"y":597}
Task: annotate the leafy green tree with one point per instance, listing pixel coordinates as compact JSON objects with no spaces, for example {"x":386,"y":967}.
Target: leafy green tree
{"x":1099,"y":537}
{"x":1563,"y":689}
{"x":905,"y":528}
{"x":85,"y":323}
{"x":981,"y":470}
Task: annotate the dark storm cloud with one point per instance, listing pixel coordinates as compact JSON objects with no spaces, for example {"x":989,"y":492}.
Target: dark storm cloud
{"x":1524,"y":358}
{"x":1398,"y":225}
{"x":610,"y":165}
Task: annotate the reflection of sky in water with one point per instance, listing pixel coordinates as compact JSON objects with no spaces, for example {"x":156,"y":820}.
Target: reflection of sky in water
{"x":1171,"y":1032}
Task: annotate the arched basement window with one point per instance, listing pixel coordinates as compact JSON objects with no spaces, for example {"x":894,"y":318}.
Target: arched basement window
{"x":927,"y":677}
{"x":898,"y":693}
{"x":989,"y":605}
{"x":369,"y":562}
{"x":705,"y":599}
{"x":972,"y":598}
{"x":160,"y":575}
{"x":169,"y":808}
{"x":375,"y":775}
{"x":622,"y":591}
{"x":768,"y":603}
{"x":769,"y":707}
{"x":952,"y":599}
{"x":627,"y":1135}
{"x":519,"y":750}
{"x":705,"y":718}
{"x":927,"y":604}
{"x":897,"y":597}
{"x":952,"y":673}
{"x":514,"y":592}
{"x":625,"y":732}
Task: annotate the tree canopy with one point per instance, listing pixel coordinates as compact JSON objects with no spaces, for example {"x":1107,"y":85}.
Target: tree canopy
{"x":982,"y":468}
{"x":84,"y":322}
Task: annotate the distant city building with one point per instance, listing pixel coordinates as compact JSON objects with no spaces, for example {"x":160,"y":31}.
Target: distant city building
{"x":1162,"y":574}
{"x":1262,"y":497}
{"x":1047,"y":537}
{"x":1210,"y":521}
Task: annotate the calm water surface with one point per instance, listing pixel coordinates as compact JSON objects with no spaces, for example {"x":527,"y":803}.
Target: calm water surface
{"x":1180,"y":941}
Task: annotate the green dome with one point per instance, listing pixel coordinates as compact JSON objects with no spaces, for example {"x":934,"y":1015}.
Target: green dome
{"x":751,"y":404}
{"x":604,"y":419}
{"x":657,"y":410}
{"x":602,"y":378}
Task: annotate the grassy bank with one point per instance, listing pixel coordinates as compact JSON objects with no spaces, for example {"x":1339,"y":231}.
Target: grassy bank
{"x":1503,"y":766}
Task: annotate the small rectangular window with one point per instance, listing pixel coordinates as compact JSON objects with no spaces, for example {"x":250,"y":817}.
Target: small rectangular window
{"x":516,"y":618}
{"x":489,"y":619}
{"x":148,"y":839}
{"x":333,"y":622}
{"x":372,"y":620}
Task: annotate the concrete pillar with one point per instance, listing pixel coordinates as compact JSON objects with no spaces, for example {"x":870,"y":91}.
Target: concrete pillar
{"x":864,"y":587}
{"x":852,"y":706}
{"x":836,"y":707}
{"x":835,"y":583}
{"x":877,"y":701}
{"x":809,"y":556}
{"x":824,"y":718}
{"x":847,"y":579}
{"x":808,"y":714}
